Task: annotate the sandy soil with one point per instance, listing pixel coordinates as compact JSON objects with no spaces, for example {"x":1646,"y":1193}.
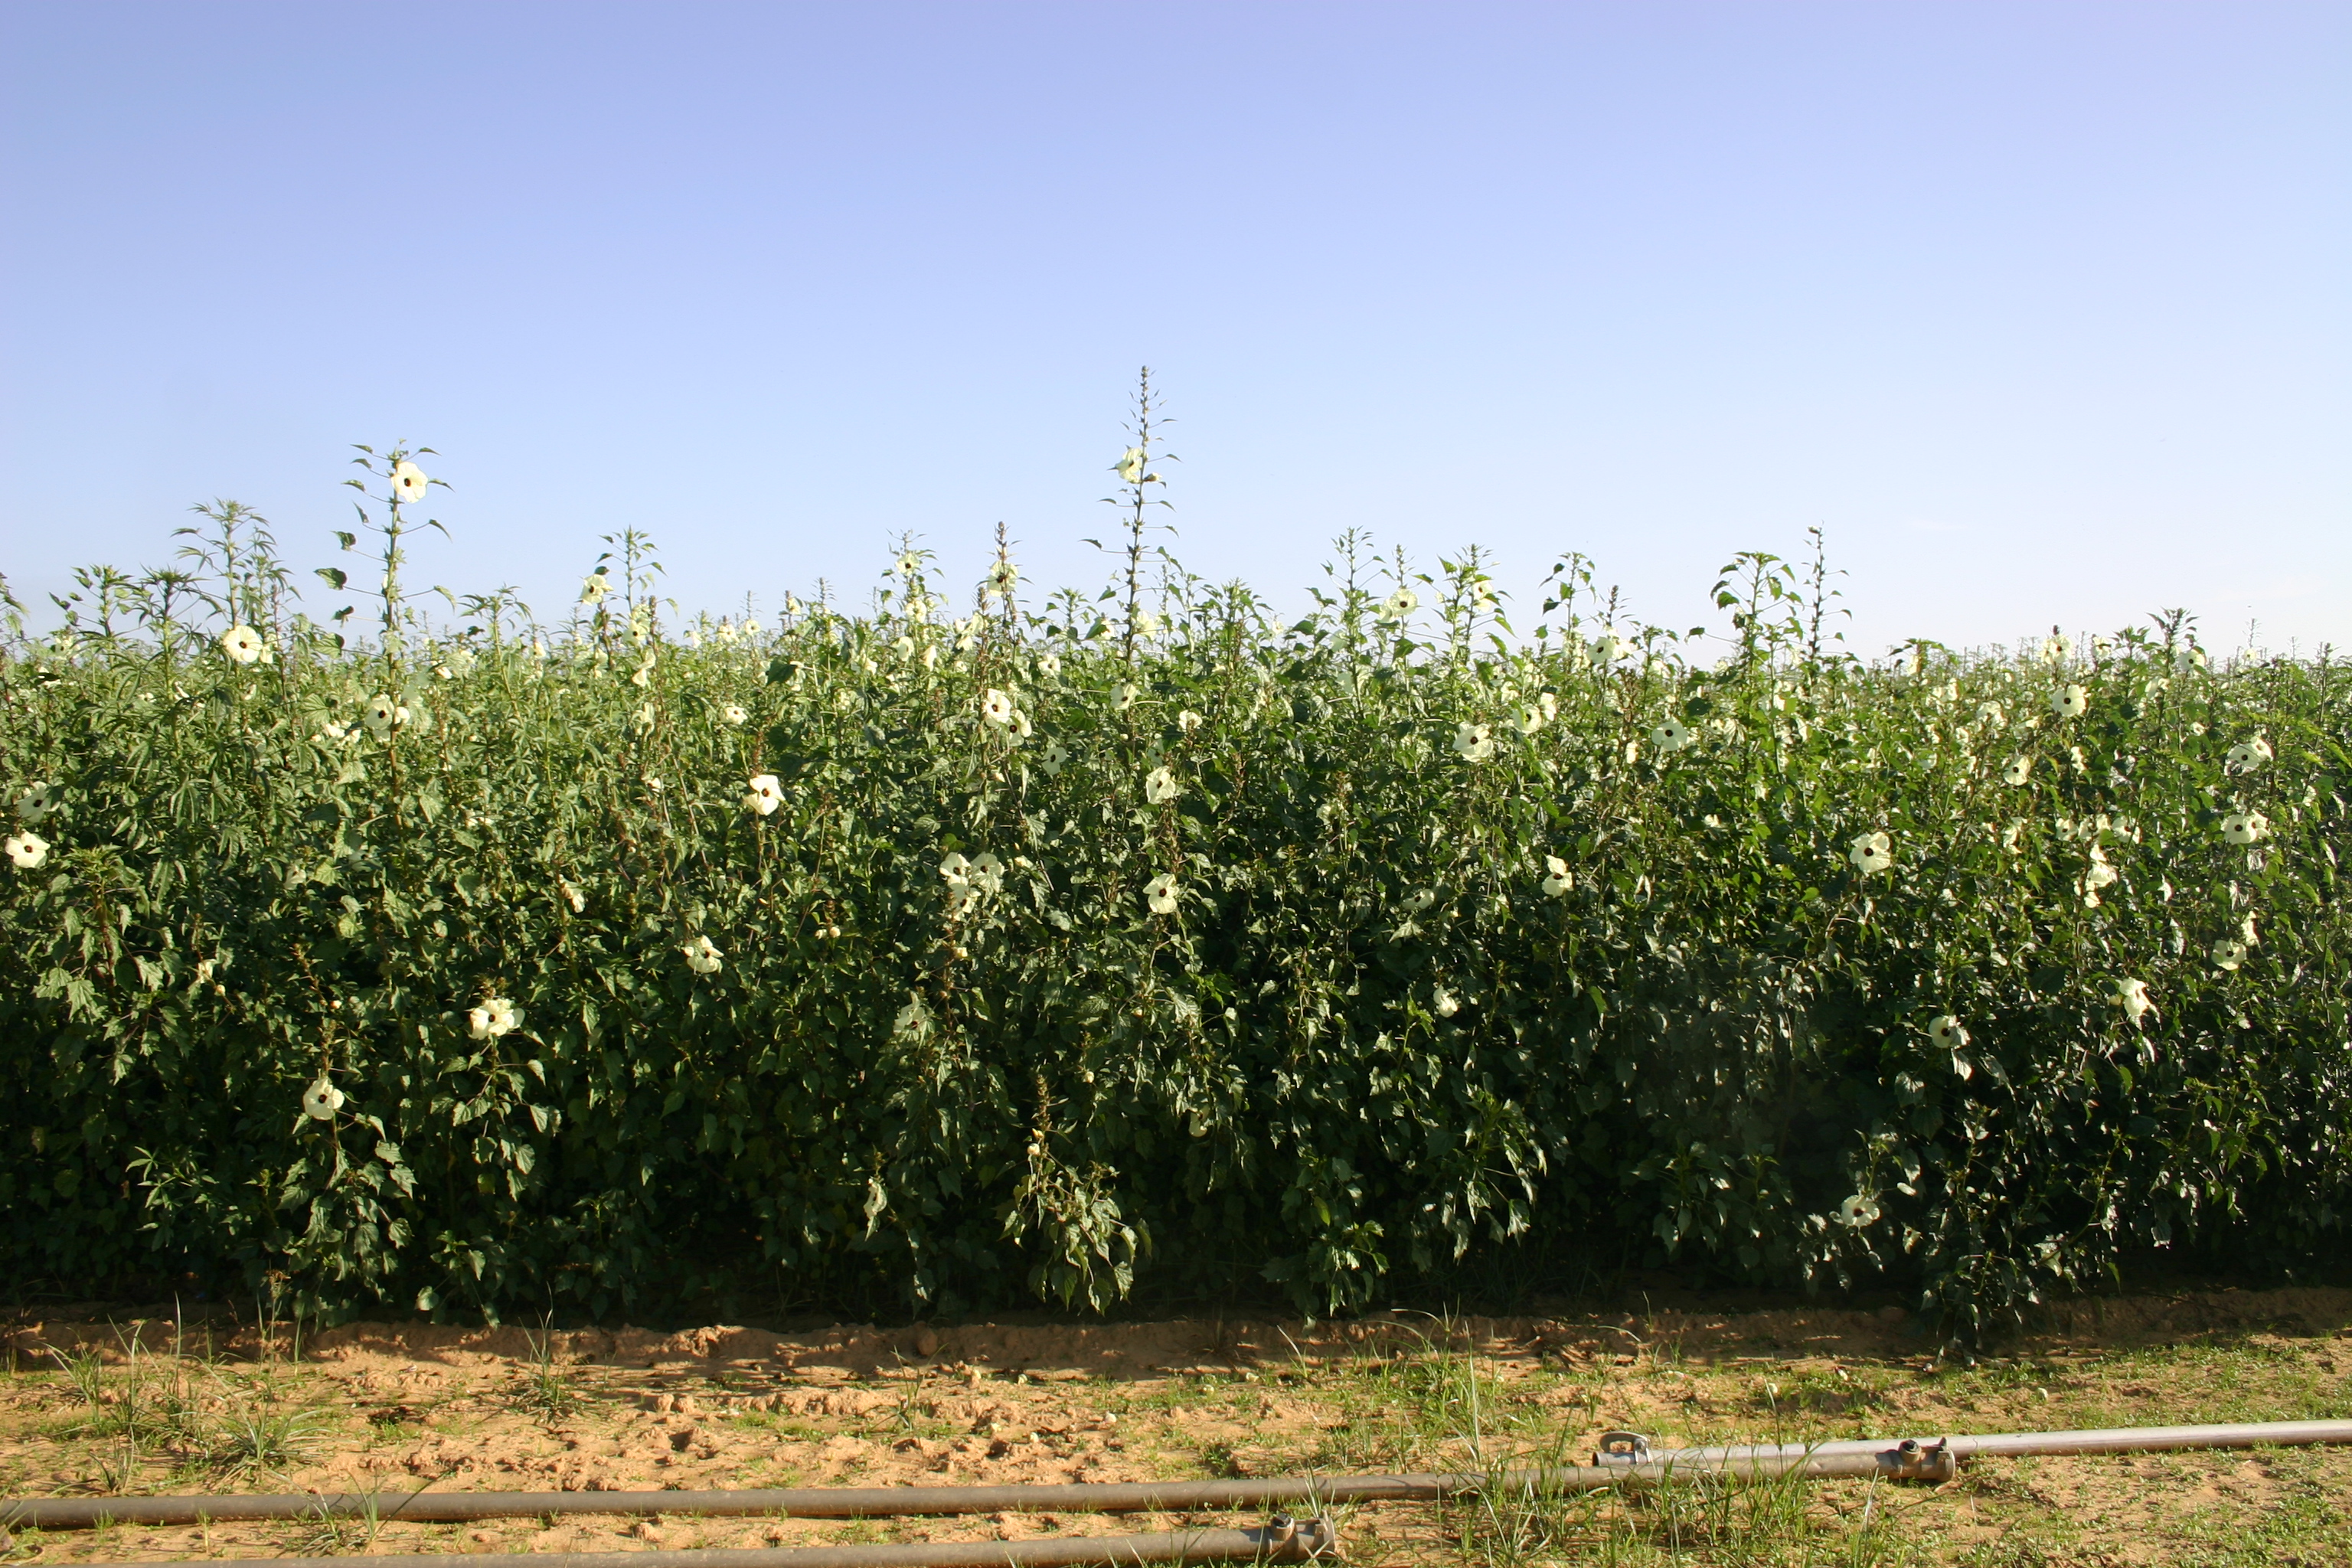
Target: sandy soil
{"x":393,"y":1407}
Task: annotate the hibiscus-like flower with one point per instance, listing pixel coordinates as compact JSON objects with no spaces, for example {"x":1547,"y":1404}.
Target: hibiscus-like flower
{"x":2228,"y":954}
{"x":2245,"y":826}
{"x":2017,"y":770}
{"x":322,"y":1100}
{"x":1872,"y":853}
{"x":1160,"y":786}
{"x":1858,"y":1212}
{"x":38,"y":800}
{"x":767,"y":792}
{"x":408,"y":481}
{"x":493,"y":1018}
{"x":735,"y":714}
{"x":1474,"y":743}
{"x":241,"y":644}
{"x":593,"y":588}
{"x":996,"y":707}
{"x":1671,"y":736}
{"x":2070,"y":700}
{"x":27,"y":849}
{"x":2247,"y":755}
{"x":1948,"y":1032}
{"x":1159,"y":893}
{"x":1558,"y":880}
{"x":1401,"y":604}
{"x":1611,"y":645}
{"x":2132,"y":996}
{"x":702,"y":955}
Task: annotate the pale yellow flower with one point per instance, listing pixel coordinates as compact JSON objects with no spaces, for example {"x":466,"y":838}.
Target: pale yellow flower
{"x":2245,"y":826}
{"x":1160,"y":786}
{"x":702,"y":955}
{"x":1159,"y":893}
{"x":493,"y":1018}
{"x":1558,"y":879}
{"x":2247,"y":755}
{"x":2069,"y":701}
{"x":322,"y":1100}
{"x":767,"y":792}
{"x":26,"y":849}
{"x":1859,"y":1212}
{"x":241,"y":644}
{"x":38,"y":800}
{"x":408,"y":481}
{"x":1872,"y":853}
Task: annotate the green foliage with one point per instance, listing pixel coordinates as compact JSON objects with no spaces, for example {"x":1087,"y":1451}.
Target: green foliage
{"x":505,"y":966}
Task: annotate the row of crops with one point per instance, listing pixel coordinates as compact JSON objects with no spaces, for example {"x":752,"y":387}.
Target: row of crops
{"x":931,"y":956}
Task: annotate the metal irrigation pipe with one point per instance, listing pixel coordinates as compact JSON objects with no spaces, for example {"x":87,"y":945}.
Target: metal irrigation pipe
{"x":882,"y":1502}
{"x":1282,"y":1541}
{"x":1625,"y":1459}
{"x":1623,"y":1448}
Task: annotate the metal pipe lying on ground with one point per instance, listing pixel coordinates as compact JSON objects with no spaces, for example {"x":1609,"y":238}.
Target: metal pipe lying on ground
{"x":1282,"y":1541}
{"x":883,"y":1502}
{"x":2097,"y":1440}
{"x":1633,"y":1462}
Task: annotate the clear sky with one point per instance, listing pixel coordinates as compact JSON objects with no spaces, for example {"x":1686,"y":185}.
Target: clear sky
{"x":2040,"y":310}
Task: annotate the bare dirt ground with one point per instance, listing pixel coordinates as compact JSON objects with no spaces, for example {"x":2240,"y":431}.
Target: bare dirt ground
{"x":94,"y":1408}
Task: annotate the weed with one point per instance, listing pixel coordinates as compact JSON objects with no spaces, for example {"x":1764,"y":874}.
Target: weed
{"x":250,"y":1439}
{"x":545,"y":1392}
{"x":334,"y":1533}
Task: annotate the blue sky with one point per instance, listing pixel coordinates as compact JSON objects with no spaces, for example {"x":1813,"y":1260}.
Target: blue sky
{"x":2040,"y":309}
